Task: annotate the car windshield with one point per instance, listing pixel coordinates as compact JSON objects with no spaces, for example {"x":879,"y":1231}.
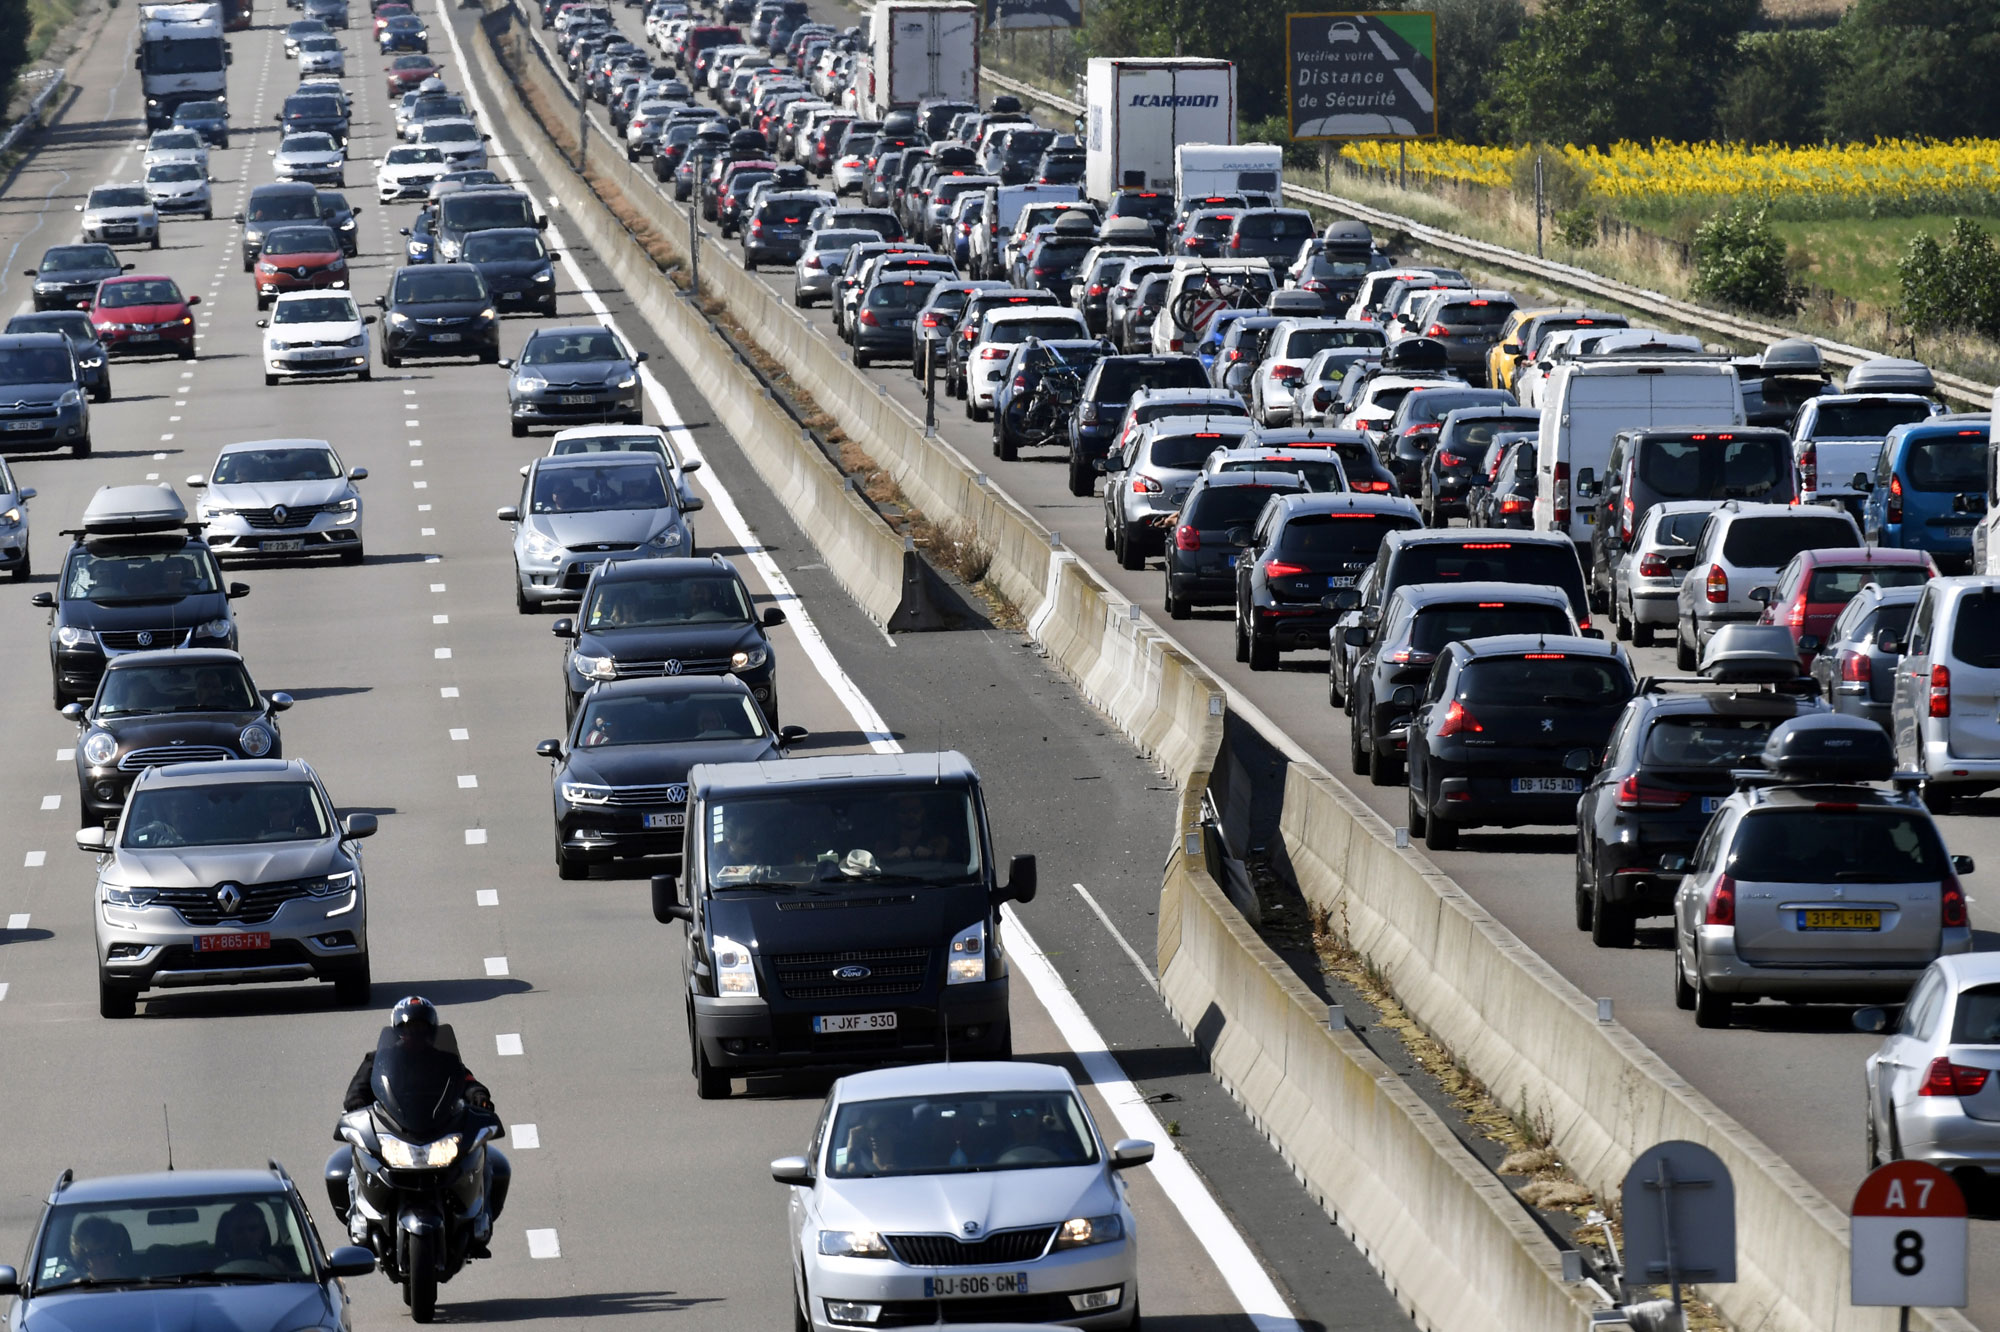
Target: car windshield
{"x":37,"y":365}
{"x":226,"y":814}
{"x":577,"y":348}
{"x":1544,"y":679}
{"x":502,"y":246}
{"x":283,"y":207}
{"x":611,"y":444}
{"x":1339,"y":536}
{"x":220,"y":1238}
{"x":1840,"y":844}
{"x":845,"y":837}
{"x":411,"y":62}
{"x":311,"y":108}
{"x":418,"y":287}
{"x":1839,"y":583}
{"x":148,"y":291}
{"x":172,"y":171}
{"x":581,"y":489}
{"x":117,"y":196}
{"x":307,"y":143}
{"x":316,"y":310}
{"x":658,"y":604}
{"x":72,"y":324}
{"x":216,"y":686}
{"x":1437,"y":626}
{"x":1706,"y":741}
{"x":1714,"y":468}
{"x":1768,"y":543}
{"x":641,"y":719}
{"x":320,"y":44}
{"x":476,"y":211}
{"x":246,"y":467}
{"x":300,"y":240}
{"x":120,"y":576}
{"x":175,"y":141}
{"x":959,"y":1134}
{"x":415,"y":156}
{"x":1948,"y":464}
{"x":1866,"y":420}
{"x":79,"y":258}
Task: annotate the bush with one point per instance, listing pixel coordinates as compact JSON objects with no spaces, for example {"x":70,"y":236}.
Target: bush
{"x":1277,"y":129}
{"x":1577,"y":227}
{"x":1564,"y":186}
{"x":1953,"y":286}
{"x":1740,"y":260}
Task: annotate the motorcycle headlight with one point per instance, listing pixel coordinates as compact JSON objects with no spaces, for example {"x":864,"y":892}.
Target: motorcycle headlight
{"x":99,"y":748}
{"x":1078,"y":1231}
{"x":734,"y":973}
{"x":327,"y":885}
{"x":70,"y":636}
{"x":531,"y":383}
{"x":583,"y":793}
{"x":749,"y":660}
{"x":852,"y":1244}
{"x":668,"y":539}
{"x":255,"y":740}
{"x":212,"y":629}
{"x":71,"y":398}
{"x":418,"y":1155}
{"x":127,"y":897}
{"x":967,"y":960}
{"x":540,"y":545}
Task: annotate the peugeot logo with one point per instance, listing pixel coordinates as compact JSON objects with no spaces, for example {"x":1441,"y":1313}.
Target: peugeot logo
{"x":145,"y":638}
{"x":673,"y":666}
{"x":1548,"y":723}
{"x":281,"y":513}
{"x":970,"y":1227}
{"x":229,"y":897}
{"x":851,"y":973}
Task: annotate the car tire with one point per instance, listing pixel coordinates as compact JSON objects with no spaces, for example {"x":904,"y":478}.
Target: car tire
{"x":1642,"y":634}
{"x":800,"y":1299}
{"x":860,"y":357}
{"x":490,"y":357}
{"x":1413,"y":818}
{"x":1611,"y":925}
{"x":520,"y":428}
{"x":354,"y":987}
{"x":1440,"y":834}
{"x":1129,"y":555}
{"x":391,"y":361}
{"x":799,"y":299}
{"x":1711,"y":1010}
{"x":102,"y":393}
{"x":1177,"y":607}
{"x":1004,"y":444}
{"x":116,"y":1001}
{"x":1080,"y":478}
{"x":156,"y":242}
{"x":710,"y":1083}
{"x":270,"y":381}
{"x":1385,"y":771}
{"x":353,"y":554}
{"x":1685,"y":657}
{"x":187,"y":352}
{"x":26,"y":568}
{"x":364,"y":374}
{"x":1937,"y":799}
{"x":521,"y":602}
{"x":1359,"y":756}
{"x":973,"y":410}
{"x":80,"y":449}
{"x":1872,"y":1136}
{"x":1683,"y":992}
{"x":569,"y":867}
{"x":1242,"y":637}
{"x":1262,"y":655}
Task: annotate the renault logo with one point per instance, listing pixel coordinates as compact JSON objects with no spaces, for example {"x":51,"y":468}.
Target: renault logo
{"x":673,"y":666}
{"x":851,"y":973}
{"x":229,"y":897}
{"x":280,"y":513}
{"x":145,"y":638}
{"x":302,"y":270}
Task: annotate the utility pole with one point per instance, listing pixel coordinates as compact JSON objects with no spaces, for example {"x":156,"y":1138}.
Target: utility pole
{"x":1539,"y":205}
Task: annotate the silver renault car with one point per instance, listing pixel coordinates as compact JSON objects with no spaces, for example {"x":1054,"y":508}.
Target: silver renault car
{"x":229,"y":873}
{"x":281,"y":497}
{"x":579,"y":510}
{"x":986,"y":1187}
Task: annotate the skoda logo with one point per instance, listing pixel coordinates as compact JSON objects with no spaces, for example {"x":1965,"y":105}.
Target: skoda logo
{"x":851,"y":973}
{"x":971,"y":1227}
{"x":229,"y":897}
{"x":673,"y":666}
{"x":281,"y":513}
{"x":677,"y":795}
{"x":145,"y":638}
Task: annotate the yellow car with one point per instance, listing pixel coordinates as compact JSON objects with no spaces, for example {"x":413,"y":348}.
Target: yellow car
{"x":1505,"y":353}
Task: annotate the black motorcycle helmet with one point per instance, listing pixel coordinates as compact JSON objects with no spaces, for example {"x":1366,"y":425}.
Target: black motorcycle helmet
{"x":415,"y":1021}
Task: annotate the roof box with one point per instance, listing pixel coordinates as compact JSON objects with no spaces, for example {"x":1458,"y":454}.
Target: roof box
{"x":1751,"y":654}
{"x":1417,"y":354}
{"x":1890,"y":374}
{"x":117,"y":510}
{"x":1348,"y":232}
{"x":1827,"y":747}
{"x":1127,"y":231}
{"x":1292,"y":301}
{"x":1074,"y":222}
{"x":1791,"y":356}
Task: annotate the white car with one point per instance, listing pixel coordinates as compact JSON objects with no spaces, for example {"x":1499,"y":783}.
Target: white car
{"x":179,"y":187}
{"x":459,"y":140}
{"x":281,"y":497}
{"x":314,"y":334}
{"x":120,"y":215}
{"x":312,"y":156}
{"x":176,"y":146}
{"x":408,"y":172}
{"x":322,"y":55}
{"x":325,"y":87}
{"x":850,"y":169}
{"x":999,"y":330}
{"x":626,"y":439}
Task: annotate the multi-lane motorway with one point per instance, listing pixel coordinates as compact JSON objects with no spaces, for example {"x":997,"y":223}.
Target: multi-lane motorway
{"x":421,"y":694}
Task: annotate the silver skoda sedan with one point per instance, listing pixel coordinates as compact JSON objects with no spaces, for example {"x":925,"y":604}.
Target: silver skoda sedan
{"x":579,"y":510}
{"x":983,"y":1186}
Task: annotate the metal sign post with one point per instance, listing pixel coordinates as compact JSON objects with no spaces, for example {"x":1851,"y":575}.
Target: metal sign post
{"x":1680,"y":1217}
{"x":582,"y":132}
{"x":1906,"y":1240}
{"x":694,"y":247}
{"x":930,"y":387}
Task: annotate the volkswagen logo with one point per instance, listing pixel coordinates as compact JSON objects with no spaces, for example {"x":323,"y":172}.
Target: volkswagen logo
{"x":145,"y":638}
{"x":229,"y":897}
{"x":280,"y":513}
{"x":677,"y":795}
{"x":851,"y":973}
{"x":970,"y":1227}
{"x":673,"y":666}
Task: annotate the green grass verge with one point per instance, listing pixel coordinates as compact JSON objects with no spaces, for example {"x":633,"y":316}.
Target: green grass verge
{"x":48,"y":18}
{"x":1857,"y":257}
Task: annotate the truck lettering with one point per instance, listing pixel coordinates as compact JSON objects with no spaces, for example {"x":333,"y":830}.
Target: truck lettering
{"x":1173,"y":99}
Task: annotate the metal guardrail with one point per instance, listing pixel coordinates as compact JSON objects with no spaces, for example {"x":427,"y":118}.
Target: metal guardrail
{"x":36,"y":110}
{"x":1740,"y":327}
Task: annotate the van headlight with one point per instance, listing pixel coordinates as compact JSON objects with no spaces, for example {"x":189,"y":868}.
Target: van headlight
{"x":540,"y":545}
{"x":1078,"y":1231}
{"x":255,"y":740}
{"x":734,"y":972}
{"x":966,"y":962}
{"x":99,"y":748}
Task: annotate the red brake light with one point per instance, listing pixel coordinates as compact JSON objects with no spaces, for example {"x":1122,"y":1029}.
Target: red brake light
{"x":1279,"y":569}
{"x":1951,"y":904}
{"x":1515,"y":504}
{"x":1446,"y":458}
{"x":868,"y":317}
{"x":1718,"y":584}
{"x":1654,"y":565}
{"x":1631,"y":795}
{"x":1458,"y":721}
{"x":1945,"y":1078}
{"x":1721,"y":909}
{"x":1186,"y":538}
{"x":1435,"y":331}
{"x":1894,"y":512}
{"x":1856,"y":667}
{"x":1940,"y":691}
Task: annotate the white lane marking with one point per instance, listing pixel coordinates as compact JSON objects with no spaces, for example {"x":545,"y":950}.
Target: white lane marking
{"x":1130,"y":951}
{"x":437,"y":587}
{"x":496,"y":966}
{"x":35,"y":860}
{"x":442,"y":654}
{"x":486,"y":896}
{"x":466,"y":781}
{"x":525,"y":1137}
{"x":423,"y":508}
{"x":407,"y":424}
{"x":440,"y":619}
{"x":508,"y":1043}
{"x":65,"y":756}
{"x":416,"y":462}
{"x":448,"y":691}
{"x":427,"y":531}
{"x":420,"y":485}
{"x":542,"y":1244}
{"x":3,"y":995}
{"x":460,"y":733}
{"x":18,"y":921}
{"x":433,"y":559}
{"x":1248,"y":1281}
{"x":416,"y":443}
{"x":475,"y":837}
{"x":52,"y":802}
{"x":152,"y":476}
{"x":165,"y":438}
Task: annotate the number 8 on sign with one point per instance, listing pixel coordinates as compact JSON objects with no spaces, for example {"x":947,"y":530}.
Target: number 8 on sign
{"x":1908,"y":1239}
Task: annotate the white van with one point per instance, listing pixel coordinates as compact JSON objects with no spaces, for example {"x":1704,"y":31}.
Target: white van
{"x":1586,"y":402}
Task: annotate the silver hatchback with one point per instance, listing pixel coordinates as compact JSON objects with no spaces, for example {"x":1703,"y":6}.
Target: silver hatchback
{"x":1145,"y":484}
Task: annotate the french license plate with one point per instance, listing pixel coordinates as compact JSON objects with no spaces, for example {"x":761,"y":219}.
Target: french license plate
{"x":666,"y":820}
{"x":319,"y":354}
{"x":509,"y":293}
{"x":25,"y":425}
{"x":446,"y":337}
{"x":1544,"y":786}
{"x":1709,"y":804}
{"x":231,"y":943}
{"x":145,"y":337}
{"x":1827,"y":919}
{"x":843,"y":1022}
{"x":281,"y":547}
{"x":974,"y":1284}
{"x":575,"y":399}
{"x":1958,"y":533}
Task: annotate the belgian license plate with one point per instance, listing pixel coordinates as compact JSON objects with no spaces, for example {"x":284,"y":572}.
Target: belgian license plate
{"x":843,"y":1022}
{"x":1709,"y":804}
{"x":145,"y":337}
{"x":971,"y":1285}
{"x":446,"y":337}
{"x":666,"y":820}
{"x":575,"y":399}
{"x":231,"y":943}
{"x":1544,"y":786}
{"x":1828,"y":919}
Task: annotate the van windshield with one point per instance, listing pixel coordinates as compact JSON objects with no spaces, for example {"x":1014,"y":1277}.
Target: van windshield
{"x":1767,"y":543}
{"x":1678,"y":469}
{"x":643,"y":719}
{"x":477,"y":212}
{"x":849,"y":837}
{"x":1947,"y":464}
{"x":1836,"y":846}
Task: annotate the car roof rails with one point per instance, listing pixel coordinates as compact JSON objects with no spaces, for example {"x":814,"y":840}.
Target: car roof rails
{"x":62,"y":1181}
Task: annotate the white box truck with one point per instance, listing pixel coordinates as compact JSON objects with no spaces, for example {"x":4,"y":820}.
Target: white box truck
{"x":1202,"y":169}
{"x":918,"y":50}
{"x":1139,"y":111}
{"x":1586,"y":402}
{"x":182,"y":57}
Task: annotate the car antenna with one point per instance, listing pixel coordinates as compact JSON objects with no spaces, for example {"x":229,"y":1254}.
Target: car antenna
{"x":170,"y":1135}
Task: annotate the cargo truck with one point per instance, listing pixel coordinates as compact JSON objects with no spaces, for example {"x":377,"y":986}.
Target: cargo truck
{"x":918,"y":50}
{"x":1139,"y":111}
{"x":183,"y":57}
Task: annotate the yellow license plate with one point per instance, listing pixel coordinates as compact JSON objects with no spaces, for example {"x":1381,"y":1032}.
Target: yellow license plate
{"x":1840,"y":920}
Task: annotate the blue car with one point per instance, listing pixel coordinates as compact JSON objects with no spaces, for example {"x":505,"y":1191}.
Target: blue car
{"x":422,"y":247}
{"x":1210,"y":346}
{"x":1928,"y":489}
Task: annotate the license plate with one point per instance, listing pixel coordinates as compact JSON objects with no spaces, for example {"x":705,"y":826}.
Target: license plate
{"x":1958,"y":533}
{"x":231,"y":943}
{"x":281,"y":547}
{"x":319,"y":354}
{"x":1340,"y":580}
{"x":1589,"y":517}
{"x":1544,"y":786}
{"x":144,"y":337}
{"x":1840,"y":920}
{"x":666,"y":820}
{"x":974,"y":1284}
{"x":1233,"y":559}
{"x":1709,"y":804}
{"x":446,"y":337}
{"x":25,"y":425}
{"x":841,"y":1022}
{"x":575,"y":399}
{"x":509,"y":293}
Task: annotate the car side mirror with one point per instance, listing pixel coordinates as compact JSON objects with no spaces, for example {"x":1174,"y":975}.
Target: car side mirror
{"x":1874,"y":1020}
{"x":280,"y":701}
{"x":357,"y":474}
{"x":1404,"y":696}
{"x":693,"y":504}
{"x":237,"y":590}
{"x":1673,"y":863}
{"x":350,"y":1260}
{"x":382,"y":302}
{"x":1961,"y":864}
{"x":507,"y":513}
{"x":773,"y":617}
{"x":1354,"y":636}
{"x":10,"y":1280}
{"x":1761,"y":595}
{"x":367,"y":319}
{"x":1809,"y":643}
{"x":26,"y":493}
{"x":505,"y":363}
{"x":43,"y":599}
{"x":667,"y":904}
{"x":234,"y":217}
{"x":549,"y":749}
{"x":263,"y":323}
{"x":794,"y":1170}
{"x":126,"y":268}
{"x":640,"y":356}
{"x":1129,"y":1152}
{"x":358,"y":826}
{"x":791,"y":734}
{"x":1592,"y":632}
{"x":194,"y":300}
{"x":29,"y":272}
{"x":564,"y":627}
{"x":197,"y":481}
{"x":73,"y":711}
{"x":1861,"y":481}
{"x":1892,"y":647}
{"x":95,"y":839}
{"x":1020,"y":881}
{"x":402,"y":231}
{"x":691,"y":465}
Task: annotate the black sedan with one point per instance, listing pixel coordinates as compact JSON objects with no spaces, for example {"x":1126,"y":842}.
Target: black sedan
{"x":620,"y":777}
{"x":182,"y":705}
{"x":1508,"y":730}
{"x":439,"y":310}
{"x":69,"y":274}
{"x":518,"y":265}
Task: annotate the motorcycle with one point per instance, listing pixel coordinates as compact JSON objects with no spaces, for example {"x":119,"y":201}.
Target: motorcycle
{"x":415,"y":1177}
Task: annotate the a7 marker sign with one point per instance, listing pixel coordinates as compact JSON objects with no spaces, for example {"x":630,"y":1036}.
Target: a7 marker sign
{"x":1907,"y":1239}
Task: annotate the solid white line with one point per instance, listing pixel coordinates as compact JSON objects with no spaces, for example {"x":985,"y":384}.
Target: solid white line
{"x":1130,"y":951}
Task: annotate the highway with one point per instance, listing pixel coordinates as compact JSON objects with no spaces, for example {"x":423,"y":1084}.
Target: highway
{"x":421,"y":694}
{"x":1791,"y":1074}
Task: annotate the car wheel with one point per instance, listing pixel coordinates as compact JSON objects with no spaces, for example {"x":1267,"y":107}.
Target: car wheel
{"x":26,"y":568}
{"x":1937,"y":799}
{"x":1440,"y":834}
{"x":1642,"y":634}
{"x":521,"y":602}
{"x":520,"y":428}
{"x":1413,"y":817}
{"x":156,"y":241}
{"x":354,"y":987}
{"x":1242,"y":638}
{"x":353,"y":554}
{"x":490,"y":356}
{"x":116,"y":1001}
{"x":567,"y":865}
{"x":710,"y":1083}
{"x":80,"y":449}
{"x":1872,"y":1136}
{"x":800,"y":1299}
{"x":270,"y":381}
{"x":799,"y":299}
{"x":1129,"y":554}
{"x":1684,"y":655}
{"x":1080,"y":478}
{"x":1612,"y":925}
{"x":860,"y":357}
{"x":1359,"y":756}
{"x":1683,"y":992}
{"x":1621,"y":628}
{"x":391,"y":361}
{"x":364,"y":374}
{"x":102,"y":393}
{"x":187,"y":352}
{"x":1710,"y":1009}
{"x":1004,"y":444}
{"x":1263,"y":654}
{"x":1385,"y":770}
{"x":1177,"y":607}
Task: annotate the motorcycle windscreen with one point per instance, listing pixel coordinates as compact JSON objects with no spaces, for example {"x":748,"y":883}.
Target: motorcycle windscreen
{"x":419,"y":1088}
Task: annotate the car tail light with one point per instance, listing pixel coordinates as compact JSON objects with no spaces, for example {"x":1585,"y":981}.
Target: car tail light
{"x":1186,"y":538}
{"x":1951,"y":904}
{"x":993,"y":353}
{"x":868,"y":317}
{"x":1020,"y":381}
{"x":1457,"y":721}
{"x":1856,"y":667}
{"x":930,"y":321}
{"x":1795,"y":617}
{"x":1625,"y":521}
{"x":812,"y":262}
{"x":1945,"y":1078}
{"x":1631,"y":795}
{"x":1409,"y":656}
{"x":1654,"y":565}
{"x":1435,"y":331}
{"x":1145,"y":485}
{"x":1235,"y":242}
{"x":1372,"y":487}
{"x":1721,"y":908}
{"x":1287,"y":373}
{"x":1280,"y":569}
{"x":1718,"y":584}
{"x":757,"y":225}
{"x":1515,"y":504}
{"x":1446,"y":458}
{"x":1808,"y":468}
{"x":1414,"y":430}
{"x":1940,"y":691}
{"x":1894,"y":511}
{"x":1562,"y":496}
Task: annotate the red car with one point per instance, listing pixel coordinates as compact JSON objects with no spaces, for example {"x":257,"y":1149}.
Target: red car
{"x":407,"y":71}
{"x":298,"y":257}
{"x":143,"y":316}
{"x":1816,"y":586}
